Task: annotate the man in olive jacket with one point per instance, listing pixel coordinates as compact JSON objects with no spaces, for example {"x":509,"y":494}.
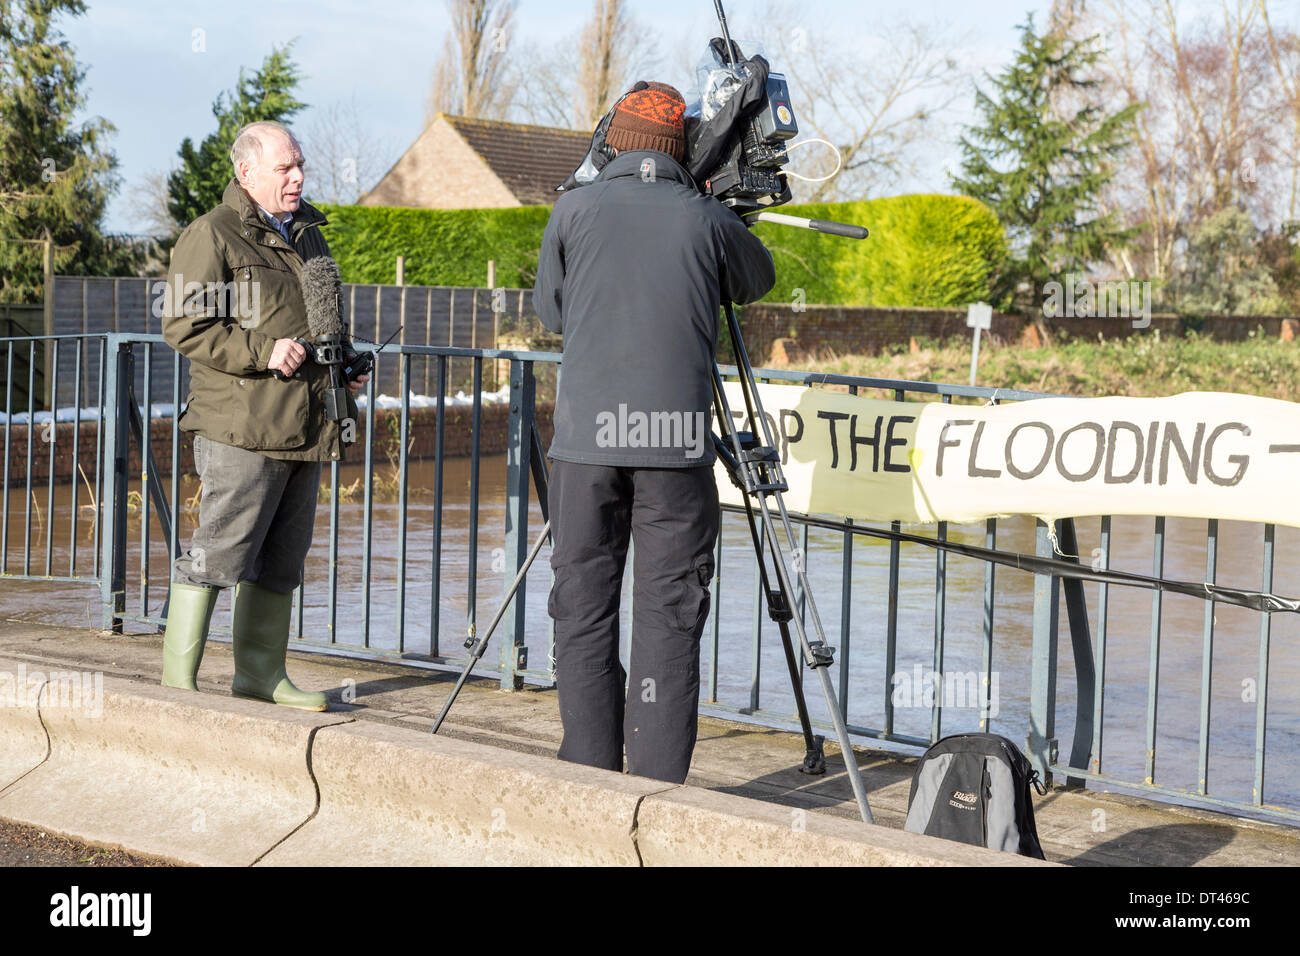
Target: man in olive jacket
{"x":234,"y":308}
{"x":631,"y":272}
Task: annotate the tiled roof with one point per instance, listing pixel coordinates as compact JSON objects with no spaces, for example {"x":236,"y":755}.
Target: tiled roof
{"x":530,"y":160}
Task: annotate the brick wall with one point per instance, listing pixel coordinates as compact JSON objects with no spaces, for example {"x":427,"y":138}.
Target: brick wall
{"x":845,"y":330}
{"x":423,"y":432}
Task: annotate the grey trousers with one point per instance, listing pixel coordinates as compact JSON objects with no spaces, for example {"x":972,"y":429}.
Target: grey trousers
{"x":256,"y":517}
{"x":672,"y":517}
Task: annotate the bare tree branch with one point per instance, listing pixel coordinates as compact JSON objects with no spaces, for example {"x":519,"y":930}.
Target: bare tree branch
{"x":1284,"y":51}
{"x":878,"y":104}
{"x":1208,"y":137}
{"x":146,"y":201}
{"x":547,"y":98}
{"x":473,"y":76}
{"x":574,"y":82}
{"x":612,"y":48}
{"x":344,"y":159}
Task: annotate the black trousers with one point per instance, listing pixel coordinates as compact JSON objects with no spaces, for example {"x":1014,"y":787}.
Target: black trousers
{"x":671,"y":515}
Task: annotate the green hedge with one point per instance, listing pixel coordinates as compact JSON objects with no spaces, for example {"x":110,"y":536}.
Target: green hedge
{"x":926,"y":250}
{"x":442,"y":246}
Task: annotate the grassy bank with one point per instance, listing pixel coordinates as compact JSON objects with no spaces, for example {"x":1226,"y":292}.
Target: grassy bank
{"x":1141,"y":365}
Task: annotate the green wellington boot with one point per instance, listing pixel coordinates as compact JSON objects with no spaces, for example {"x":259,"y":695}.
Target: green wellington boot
{"x":189,"y":611}
{"x":260,"y":625}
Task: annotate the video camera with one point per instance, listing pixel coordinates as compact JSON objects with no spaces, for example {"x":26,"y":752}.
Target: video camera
{"x":735,"y":146}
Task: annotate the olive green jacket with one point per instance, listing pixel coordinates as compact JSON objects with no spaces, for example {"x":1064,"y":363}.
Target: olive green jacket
{"x":233,"y":289}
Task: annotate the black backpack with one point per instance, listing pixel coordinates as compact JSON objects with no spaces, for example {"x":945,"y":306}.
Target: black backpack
{"x":974,"y":788}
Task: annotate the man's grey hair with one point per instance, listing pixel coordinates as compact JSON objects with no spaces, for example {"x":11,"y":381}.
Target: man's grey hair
{"x":248,"y":142}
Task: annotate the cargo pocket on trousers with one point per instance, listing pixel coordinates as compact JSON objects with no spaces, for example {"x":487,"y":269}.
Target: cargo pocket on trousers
{"x":199,"y":448}
{"x":555,"y":606}
{"x":693,"y":609}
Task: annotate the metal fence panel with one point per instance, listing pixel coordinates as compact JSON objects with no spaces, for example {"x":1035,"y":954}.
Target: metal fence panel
{"x":122,"y":370}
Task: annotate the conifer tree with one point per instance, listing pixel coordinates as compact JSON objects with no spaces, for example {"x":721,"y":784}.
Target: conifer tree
{"x":268,"y":94}
{"x":56,"y":177}
{"x":1039,"y":158}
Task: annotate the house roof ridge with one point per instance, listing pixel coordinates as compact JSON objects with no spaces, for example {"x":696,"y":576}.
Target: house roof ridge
{"x":528,"y":160}
{"x":456,"y":118}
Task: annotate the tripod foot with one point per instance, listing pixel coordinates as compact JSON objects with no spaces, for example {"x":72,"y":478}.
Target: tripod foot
{"x":814,"y":761}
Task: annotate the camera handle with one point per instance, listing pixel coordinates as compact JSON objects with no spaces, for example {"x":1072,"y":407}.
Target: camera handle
{"x":325,"y":350}
{"x":817,"y":225}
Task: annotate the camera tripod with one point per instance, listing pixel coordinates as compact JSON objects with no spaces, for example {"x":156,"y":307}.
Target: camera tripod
{"x":753,"y":463}
{"x":754,"y":466}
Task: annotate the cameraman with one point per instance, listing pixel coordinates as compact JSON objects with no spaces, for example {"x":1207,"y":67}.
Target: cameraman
{"x":632,"y":270}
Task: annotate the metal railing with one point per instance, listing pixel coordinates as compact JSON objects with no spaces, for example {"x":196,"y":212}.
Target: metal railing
{"x":444,"y":578}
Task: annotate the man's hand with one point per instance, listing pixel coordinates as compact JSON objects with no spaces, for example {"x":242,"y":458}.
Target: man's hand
{"x":286,"y":357}
{"x":359,"y":383}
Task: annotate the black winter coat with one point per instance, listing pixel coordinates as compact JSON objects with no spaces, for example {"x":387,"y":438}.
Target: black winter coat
{"x":632,"y":270}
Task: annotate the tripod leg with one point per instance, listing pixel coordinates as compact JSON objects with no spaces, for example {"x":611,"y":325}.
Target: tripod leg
{"x":814,"y":758}
{"x":480,"y":644}
{"x":541,"y":475}
{"x":778,"y":609}
{"x":763,"y":477}
{"x":818,"y":660}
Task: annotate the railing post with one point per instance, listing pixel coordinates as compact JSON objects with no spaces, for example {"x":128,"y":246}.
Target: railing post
{"x":1042,"y":744}
{"x":514,"y":654}
{"x":47,"y":288}
{"x":1085,"y":676}
{"x":115,"y":426}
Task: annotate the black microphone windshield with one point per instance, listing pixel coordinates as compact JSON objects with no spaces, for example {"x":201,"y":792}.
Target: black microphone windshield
{"x":322,"y":292}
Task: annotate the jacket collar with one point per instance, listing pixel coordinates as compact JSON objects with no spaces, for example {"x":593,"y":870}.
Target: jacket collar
{"x":242,"y":203}
{"x":629,"y":164}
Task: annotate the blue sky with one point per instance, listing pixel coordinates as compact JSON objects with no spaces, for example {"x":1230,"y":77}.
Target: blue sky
{"x":145,"y":76}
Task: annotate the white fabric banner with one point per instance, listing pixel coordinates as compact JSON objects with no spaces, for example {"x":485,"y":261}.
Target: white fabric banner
{"x":1196,"y":455}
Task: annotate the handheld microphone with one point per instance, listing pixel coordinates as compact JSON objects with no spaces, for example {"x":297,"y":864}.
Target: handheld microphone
{"x":322,"y":294}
